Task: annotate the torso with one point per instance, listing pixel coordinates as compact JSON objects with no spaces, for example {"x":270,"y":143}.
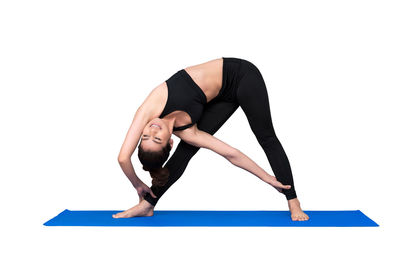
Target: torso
{"x":208,"y":76}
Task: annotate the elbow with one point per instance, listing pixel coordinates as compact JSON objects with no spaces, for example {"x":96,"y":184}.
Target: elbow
{"x":233,"y":154}
{"x":122,"y":158}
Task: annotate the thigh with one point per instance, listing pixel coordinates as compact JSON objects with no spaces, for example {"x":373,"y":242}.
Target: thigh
{"x":215,"y":114}
{"x":252,"y":97}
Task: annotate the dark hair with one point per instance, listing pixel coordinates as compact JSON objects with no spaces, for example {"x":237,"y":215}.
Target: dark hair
{"x":152,"y":162}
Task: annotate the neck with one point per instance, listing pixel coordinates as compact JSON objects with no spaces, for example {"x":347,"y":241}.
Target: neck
{"x":170,"y":123}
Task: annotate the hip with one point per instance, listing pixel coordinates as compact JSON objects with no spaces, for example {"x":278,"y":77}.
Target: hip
{"x":234,"y":69}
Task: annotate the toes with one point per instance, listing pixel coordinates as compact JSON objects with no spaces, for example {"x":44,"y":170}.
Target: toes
{"x":302,"y":217}
{"x":119,"y":215}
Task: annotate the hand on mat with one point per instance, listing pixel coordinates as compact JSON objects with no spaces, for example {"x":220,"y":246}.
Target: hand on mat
{"x":142,"y":189}
{"x":277,"y":185}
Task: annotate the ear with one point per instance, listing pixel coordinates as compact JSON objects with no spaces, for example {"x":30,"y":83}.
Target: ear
{"x":171,"y":141}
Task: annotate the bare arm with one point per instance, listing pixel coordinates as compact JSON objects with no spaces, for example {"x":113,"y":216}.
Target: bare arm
{"x":141,"y":118}
{"x":130,"y":143}
{"x":199,"y":138}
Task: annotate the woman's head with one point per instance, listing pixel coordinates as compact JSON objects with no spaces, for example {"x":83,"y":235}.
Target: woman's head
{"x":154,"y":148}
{"x":156,"y":135}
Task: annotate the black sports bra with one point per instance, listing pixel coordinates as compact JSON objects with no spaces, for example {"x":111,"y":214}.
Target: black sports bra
{"x":184,"y":94}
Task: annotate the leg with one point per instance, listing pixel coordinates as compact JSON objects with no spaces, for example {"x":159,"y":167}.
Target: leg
{"x":215,"y":114}
{"x":253,"y":99}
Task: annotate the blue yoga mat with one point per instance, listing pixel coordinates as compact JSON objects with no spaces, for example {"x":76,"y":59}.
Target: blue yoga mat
{"x":347,"y":218}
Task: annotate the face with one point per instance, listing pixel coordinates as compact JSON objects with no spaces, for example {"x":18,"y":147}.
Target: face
{"x":156,"y":135}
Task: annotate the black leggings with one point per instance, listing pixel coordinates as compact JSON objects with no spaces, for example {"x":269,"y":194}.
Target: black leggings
{"x":243,"y":85}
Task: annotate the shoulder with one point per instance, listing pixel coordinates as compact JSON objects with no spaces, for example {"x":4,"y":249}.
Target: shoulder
{"x":155,"y":101}
{"x":193,"y":136}
{"x":187,"y":134}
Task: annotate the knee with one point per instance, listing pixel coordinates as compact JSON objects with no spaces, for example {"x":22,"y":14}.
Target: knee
{"x":268,"y":140}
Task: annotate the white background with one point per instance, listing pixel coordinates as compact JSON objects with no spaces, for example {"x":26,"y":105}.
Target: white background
{"x":73,"y":73}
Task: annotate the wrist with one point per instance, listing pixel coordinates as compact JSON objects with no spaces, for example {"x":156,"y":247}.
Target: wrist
{"x":136,"y":183}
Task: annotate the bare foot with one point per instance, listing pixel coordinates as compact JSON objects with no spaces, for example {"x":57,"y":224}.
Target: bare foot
{"x":143,"y":209}
{"x":297,"y":213}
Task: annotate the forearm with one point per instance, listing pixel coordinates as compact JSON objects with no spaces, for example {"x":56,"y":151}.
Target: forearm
{"x":127,"y":168}
{"x":241,"y":160}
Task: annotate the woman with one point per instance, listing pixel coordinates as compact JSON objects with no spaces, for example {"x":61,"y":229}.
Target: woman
{"x":193,"y":104}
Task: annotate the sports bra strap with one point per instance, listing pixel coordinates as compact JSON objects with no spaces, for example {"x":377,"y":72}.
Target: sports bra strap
{"x":183,"y":127}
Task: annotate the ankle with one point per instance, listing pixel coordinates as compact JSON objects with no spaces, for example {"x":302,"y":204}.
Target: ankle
{"x":294,"y":202}
{"x":146,"y":205}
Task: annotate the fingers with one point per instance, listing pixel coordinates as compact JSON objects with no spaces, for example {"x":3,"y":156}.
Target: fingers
{"x":274,"y":182}
{"x":280,"y":185}
{"x":152,"y":194}
{"x":285,"y":186}
{"x":141,"y":195}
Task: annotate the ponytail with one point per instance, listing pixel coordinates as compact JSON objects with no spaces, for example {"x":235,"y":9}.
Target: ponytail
{"x":159,"y":175}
